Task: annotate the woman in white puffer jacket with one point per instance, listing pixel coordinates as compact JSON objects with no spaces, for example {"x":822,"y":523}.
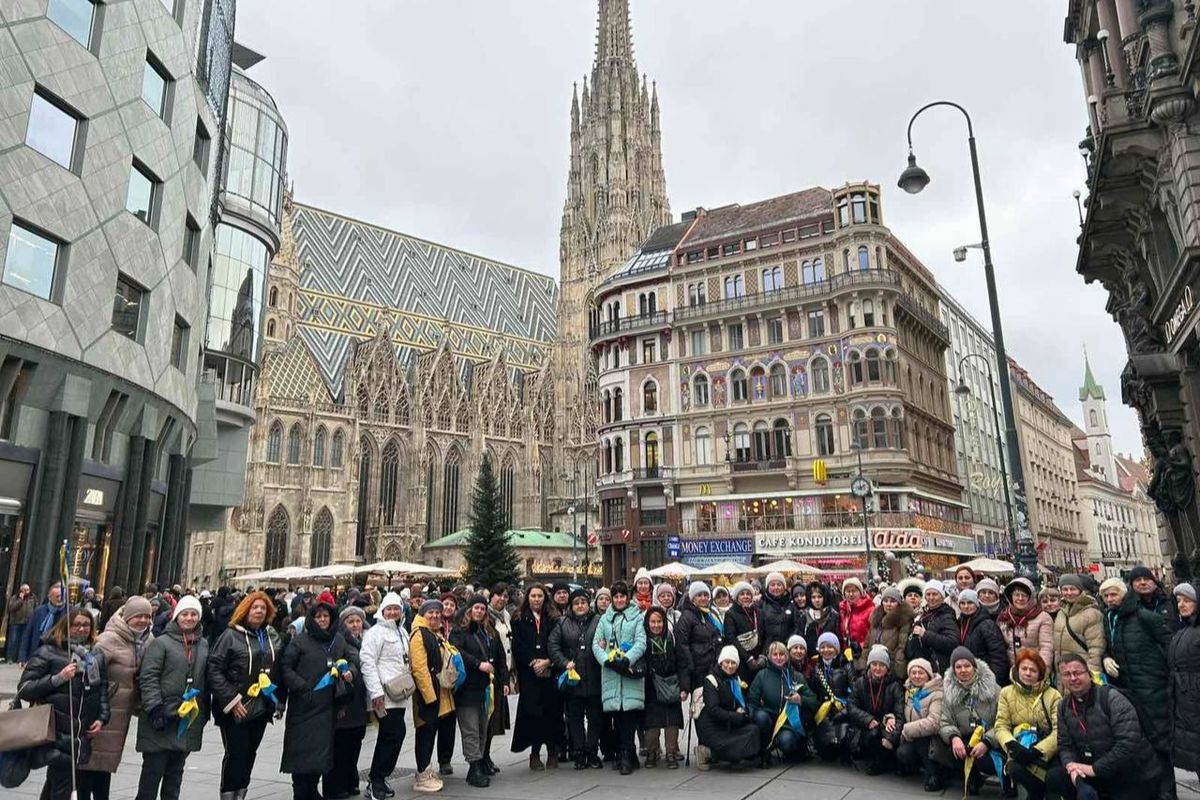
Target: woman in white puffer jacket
{"x":385,"y":658}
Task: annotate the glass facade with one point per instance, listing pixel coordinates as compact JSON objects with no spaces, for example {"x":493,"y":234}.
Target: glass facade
{"x":235,"y":297}
{"x":257,"y":147}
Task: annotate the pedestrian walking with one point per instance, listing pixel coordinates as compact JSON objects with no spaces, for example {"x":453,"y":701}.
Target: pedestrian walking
{"x":173,"y":684}
{"x":243,"y":679}
{"x":43,"y":618}
{"x":19,"y":611}
{"x":388,"y":676}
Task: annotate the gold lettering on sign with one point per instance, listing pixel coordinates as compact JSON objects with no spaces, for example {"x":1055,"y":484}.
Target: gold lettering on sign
{"x":705,"y":489}
{"x":1185,"y":306}
{"x":93,"y":497}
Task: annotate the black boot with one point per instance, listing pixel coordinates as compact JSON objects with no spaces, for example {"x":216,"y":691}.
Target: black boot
{"x":445,"y":769}
{"x":594,"y":762}
{"x":626,"y":763}
{"x":476,"y":776}
{"x":580,"y":760}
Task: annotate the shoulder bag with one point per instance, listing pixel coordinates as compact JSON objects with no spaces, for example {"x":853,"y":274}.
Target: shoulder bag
{"x":25,"y":728}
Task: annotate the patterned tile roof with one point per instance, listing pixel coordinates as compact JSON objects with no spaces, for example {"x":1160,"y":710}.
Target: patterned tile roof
{"x":289,"y":371}
{"x":357,"y":277}
{"x":718,"y":223}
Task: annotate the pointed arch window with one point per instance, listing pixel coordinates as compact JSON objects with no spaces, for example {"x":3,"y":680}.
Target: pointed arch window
{"x":364,"y":402}
{"x":364,"y":496}
{"x":293,"y":445}
{"x":618,"y":404}
{"x":608,"y":457}
{"x":275,"y":546}
{"x":450,"y":483}
{"x":271,"y":328}
{"x":508,"y":491}
{"x":336,"y":451}
{"x":1093,"y":419}
{"x":762,"y":442}
{"x":273,"y":298}
{"x":741,"y":442}
{"x":321,"y":547}
{"x":389,"y":483}
{"x":700,"y":390}
{"x":383,"y":408}
{"x":274,"y":443}
{"x":318,"y":455}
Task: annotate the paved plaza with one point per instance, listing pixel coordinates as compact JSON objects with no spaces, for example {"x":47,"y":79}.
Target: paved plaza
{"x":516,"y":782}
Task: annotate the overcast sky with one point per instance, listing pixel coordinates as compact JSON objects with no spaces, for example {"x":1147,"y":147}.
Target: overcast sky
{"x":449,"y":120}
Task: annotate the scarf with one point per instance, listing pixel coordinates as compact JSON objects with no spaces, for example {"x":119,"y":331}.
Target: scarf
{"x":735,"y":686}
{"x":914,"y":697}
{"x":715,"y":619}
{"x":1010,"y":617}
{"x":643,"y":600}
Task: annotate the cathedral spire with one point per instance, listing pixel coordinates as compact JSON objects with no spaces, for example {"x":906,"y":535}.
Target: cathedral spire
{"x":614,"y":39}
{"x":1090,"y":387}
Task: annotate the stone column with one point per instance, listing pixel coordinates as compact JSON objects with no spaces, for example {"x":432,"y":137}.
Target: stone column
{"x":1116,"y":60}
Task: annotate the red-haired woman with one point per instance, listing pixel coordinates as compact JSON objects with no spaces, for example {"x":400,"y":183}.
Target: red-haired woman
{"x":1029,"y":700}
{"x":242,"y":678}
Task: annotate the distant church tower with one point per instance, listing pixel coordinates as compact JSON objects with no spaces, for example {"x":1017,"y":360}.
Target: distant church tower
{"x":1095,"y":423}
{"x":616,"y":197}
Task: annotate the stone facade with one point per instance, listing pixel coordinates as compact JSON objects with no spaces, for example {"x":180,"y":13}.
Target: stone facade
{"x":1140,"y":236}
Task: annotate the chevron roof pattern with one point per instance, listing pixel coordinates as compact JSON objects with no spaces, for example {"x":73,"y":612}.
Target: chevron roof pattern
{"x":357,"y":277}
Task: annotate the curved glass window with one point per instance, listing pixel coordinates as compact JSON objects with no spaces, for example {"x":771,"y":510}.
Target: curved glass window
{"x":235,"y":301}
{"x":257,"y":149}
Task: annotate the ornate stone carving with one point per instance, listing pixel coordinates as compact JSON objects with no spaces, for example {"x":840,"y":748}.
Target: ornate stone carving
{"x":1173,"y":484}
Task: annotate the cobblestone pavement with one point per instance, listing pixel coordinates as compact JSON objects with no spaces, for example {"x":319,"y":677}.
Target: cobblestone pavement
{"x":516,"y":782}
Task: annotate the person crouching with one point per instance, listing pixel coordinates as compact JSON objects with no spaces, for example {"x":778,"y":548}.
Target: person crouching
{"x":782,"y":705}
{"x":876,"y":703}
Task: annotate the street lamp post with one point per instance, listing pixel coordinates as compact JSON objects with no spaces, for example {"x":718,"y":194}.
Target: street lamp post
{"x":912,"y":180}
{"x":861,"y":487}
{"x":962,"y":389}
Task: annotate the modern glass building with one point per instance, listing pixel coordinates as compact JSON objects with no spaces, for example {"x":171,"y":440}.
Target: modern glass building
{"x":246,"y":238}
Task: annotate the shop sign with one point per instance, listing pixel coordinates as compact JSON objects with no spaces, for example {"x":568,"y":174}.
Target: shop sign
{"x":782,"y":544}
{"x":93,"y":497}
{"x":673,"y":547}
{"x":1110,"y":555}
{"x":706,"y":552}
{"x":1182,"y":310}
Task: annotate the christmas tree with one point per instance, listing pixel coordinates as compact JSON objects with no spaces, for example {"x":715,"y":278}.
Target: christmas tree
{"x":490,"y":556}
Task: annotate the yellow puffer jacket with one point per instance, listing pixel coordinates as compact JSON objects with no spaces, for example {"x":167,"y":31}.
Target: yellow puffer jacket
{"x":426,"y":663}
{"x":1036,"y":707}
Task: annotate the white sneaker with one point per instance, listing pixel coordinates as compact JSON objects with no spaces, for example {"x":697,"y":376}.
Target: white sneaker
{"x":422,"y":783}
{"x":435,"y":778}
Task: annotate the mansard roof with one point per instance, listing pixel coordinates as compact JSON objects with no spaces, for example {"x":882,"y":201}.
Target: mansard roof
{"x":726,"y":221}
{"x":356,"y":277}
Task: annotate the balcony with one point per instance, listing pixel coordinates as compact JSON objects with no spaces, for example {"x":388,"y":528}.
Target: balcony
{"x":764,"y":465}
{"x":635,"y":476}
{"x":834,"y":520}
{"x":920,"y":315}
{"x":623,"y":325}
{"x":792,"y":294}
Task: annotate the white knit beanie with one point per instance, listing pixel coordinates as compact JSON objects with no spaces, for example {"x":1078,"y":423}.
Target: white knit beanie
{"x":729,"y":653}
{"x":187,"y":603}
{"x":775,"y":576}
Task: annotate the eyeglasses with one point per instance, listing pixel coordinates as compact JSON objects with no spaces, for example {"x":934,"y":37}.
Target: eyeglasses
{"x":1073,"y":674}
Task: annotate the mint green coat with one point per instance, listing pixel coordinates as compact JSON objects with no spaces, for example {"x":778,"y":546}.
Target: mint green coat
{"x":619,"y":692}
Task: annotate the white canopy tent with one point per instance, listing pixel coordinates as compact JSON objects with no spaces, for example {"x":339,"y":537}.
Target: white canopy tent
{"x":988,"y":566}
{"x":787,"y":566}
{"x":672,"y":571}
{"x":724,"y":568}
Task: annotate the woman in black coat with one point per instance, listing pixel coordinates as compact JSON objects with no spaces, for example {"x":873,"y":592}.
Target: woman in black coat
{"x":571,"y":647}
{"x":68,"y":675}
{"x":1183,"y":662}
{"x":978,"y":632}
{"x":725,"y":727}
{"x":935,"y":632}
{"x":349,"y":715}
{"x":305,"y":670}
{"x":539,"y":707}
{"x":821,"y":616}
{"x":876,"y":710}
{"x":483,"y":658}
{"x":744,"y":630}
{"x":699,"y":635}
{"x":779,"y":613}
{"x":662,"y":713}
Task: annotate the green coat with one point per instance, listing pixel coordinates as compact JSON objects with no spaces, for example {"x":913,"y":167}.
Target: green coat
{"x":620,"y":693}
{"x":163,"y":680}
{"x":1137,"y":640}
{"x":767,"y":692}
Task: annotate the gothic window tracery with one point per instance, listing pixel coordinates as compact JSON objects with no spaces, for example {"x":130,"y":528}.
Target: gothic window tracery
{"x":450,"y":484}
{"x":335,"y":453}
{"x":275,"y":546}
{"x":293,"y":445}
{"x":320,"y":548}
{"x":274,"y":443}
{"x":389,"y":482}
{"x":318,"y":455}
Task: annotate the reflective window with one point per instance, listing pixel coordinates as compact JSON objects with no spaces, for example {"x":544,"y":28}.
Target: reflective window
{"x":257,"y":148}
{"x":179,"y":343}
{"x":139,"y":201}
{"x":30,"y":261}
{"x":75,"y":17}
{"x":191,"y":242}
{"x":235,"y":301}
{"x":52,"y":130}
{"x":154,"y":86}
{"x":128,"y":301}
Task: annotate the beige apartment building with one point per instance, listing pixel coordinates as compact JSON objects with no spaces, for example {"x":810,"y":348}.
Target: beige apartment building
{"x":743,"y":346}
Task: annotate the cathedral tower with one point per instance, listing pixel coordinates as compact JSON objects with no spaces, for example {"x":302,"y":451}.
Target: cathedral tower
{"x":1095,"y":422}
{"x":616,"y":197}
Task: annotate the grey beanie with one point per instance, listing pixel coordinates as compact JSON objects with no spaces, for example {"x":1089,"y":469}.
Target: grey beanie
{"x":961,"y":653}
{"x":968,"y":596}
{"x":796,"y":640}
{"x":352,"y":611}
{"x":1071,"y":580}
{"x":879,"y":655}
{"x":697,"y":587}
{"x":1186,"y":590}
{"x":892,"y":593}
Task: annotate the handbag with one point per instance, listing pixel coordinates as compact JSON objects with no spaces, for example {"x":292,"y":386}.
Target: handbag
{"x":23,"y":728}
{"x":14,"y":768}
{"x":400,"y":688}
{"x":748,"y":641}
{"x":666,"y":688}
{"x":448,"y":675}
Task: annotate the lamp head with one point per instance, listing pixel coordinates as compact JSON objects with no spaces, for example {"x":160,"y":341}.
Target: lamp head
{"x":960,"y":254}
{"x":913,"y":179}
{"x":1075,"y":194}
{"x":962,"y":390}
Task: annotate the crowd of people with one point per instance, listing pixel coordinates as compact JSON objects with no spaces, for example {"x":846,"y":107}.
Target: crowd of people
{"x":1073,"y":691}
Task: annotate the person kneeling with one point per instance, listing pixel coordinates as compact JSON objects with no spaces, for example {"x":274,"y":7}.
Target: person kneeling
{"x":969,"y":697}
{"x":1027,"y":724}
{"x":725,"y":726}
{"x":919,"y":741}
{"x":782,"y":705}
{"x":876,"y":702}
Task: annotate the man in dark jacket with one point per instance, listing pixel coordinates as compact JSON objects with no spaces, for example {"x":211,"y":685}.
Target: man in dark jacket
{"x":1101,"y":747}
{"x":42,"y":620}
{"x":1152,"y":597}
{"x":1136,"y":663}
{"x":935,"y":632}
{"x":20,"y":609}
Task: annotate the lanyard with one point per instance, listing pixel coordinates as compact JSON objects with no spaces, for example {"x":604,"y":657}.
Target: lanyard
{"x":964,"y":630}
{"x":876,"y":699}
{"x":1075,"y":713}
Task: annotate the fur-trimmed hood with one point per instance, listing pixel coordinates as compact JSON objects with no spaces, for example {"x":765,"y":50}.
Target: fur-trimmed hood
{"x":984,"y":688}
{"x":897,"y":618}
